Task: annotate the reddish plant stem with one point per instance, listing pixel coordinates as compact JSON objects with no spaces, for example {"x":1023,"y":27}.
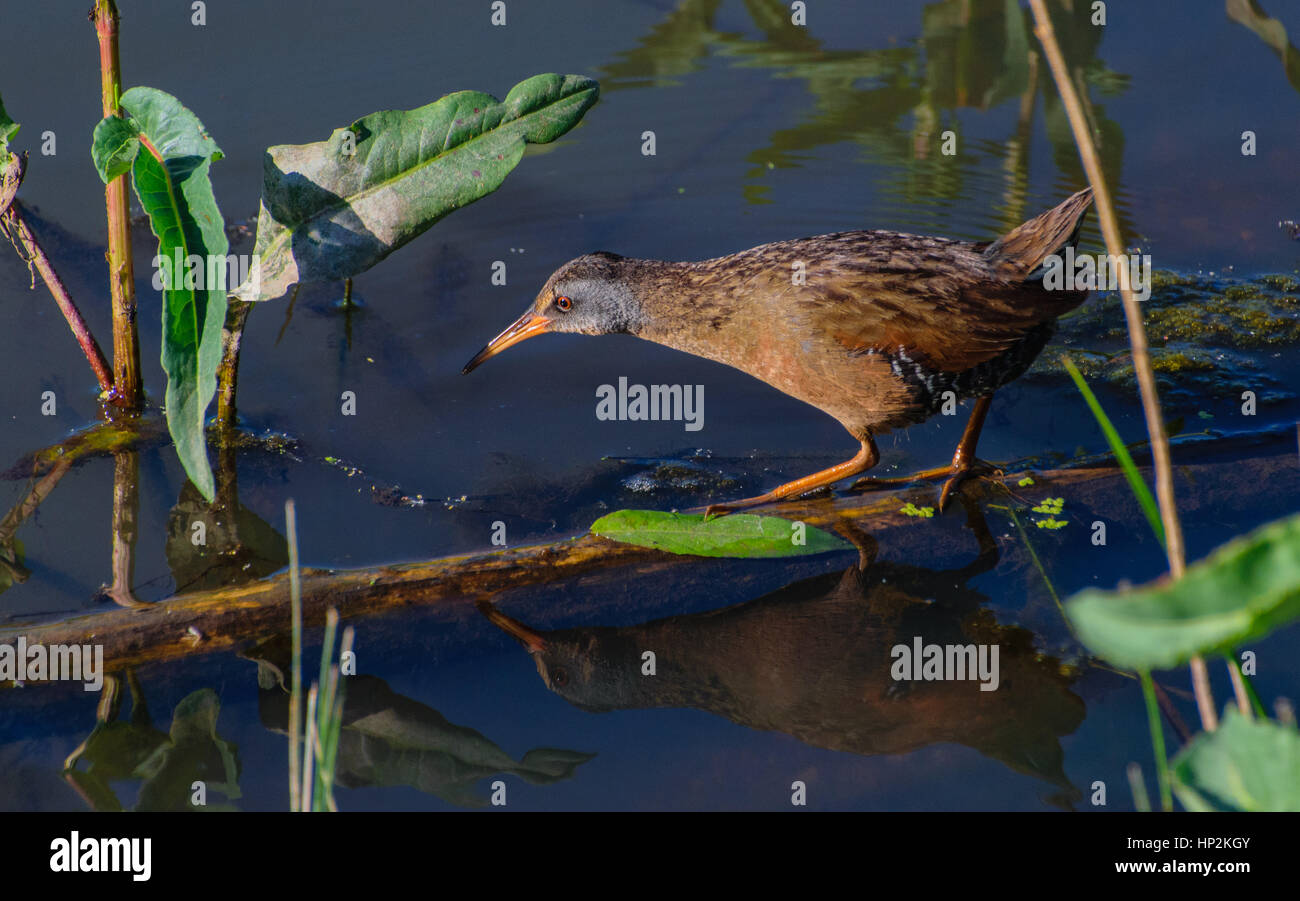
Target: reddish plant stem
{"x":36,"y":256}
{"x":121,"y":272}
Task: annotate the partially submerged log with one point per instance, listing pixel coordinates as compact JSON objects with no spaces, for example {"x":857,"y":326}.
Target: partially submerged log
{"x":224,"y":618}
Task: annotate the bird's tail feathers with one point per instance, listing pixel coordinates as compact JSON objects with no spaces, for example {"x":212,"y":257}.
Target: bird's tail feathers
{"x":1021,"y":251}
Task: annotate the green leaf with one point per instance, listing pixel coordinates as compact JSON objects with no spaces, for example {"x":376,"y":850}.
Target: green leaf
{"x":1140,"y":489}
{"x":170,"y":154}
{"x":8,"y":128}
{"x":736,"y":535}
{"x":337,"y":207}
{"x":114,"y":147}
{"x":1238,"y":594}
{"x":1243,"y":765}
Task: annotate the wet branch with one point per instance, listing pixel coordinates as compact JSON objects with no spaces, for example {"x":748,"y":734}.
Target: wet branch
{"x":223,"y":619}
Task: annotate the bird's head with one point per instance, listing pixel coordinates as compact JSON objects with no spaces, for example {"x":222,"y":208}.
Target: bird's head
{"x":591,"y":295}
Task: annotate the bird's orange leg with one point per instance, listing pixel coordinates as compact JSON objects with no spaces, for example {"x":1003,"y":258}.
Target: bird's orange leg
{"x":963,"y":460}
{"x":863,"y":460}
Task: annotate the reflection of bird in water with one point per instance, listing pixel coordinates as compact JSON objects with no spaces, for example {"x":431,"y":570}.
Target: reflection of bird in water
{"x":813,"y":660}
{"x":875,"y":328}
{"x":390,"y":739}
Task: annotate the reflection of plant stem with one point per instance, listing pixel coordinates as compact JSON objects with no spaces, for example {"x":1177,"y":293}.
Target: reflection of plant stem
{"x":12,"y":221}
{"x":1166,"y":704}
{"x":15,"y":517}
{"x":1016,"y":162}
{"x":226,"y":503}
{"x":126,"y":511}
{"x":121,"y":274}
{"x":1157,"y":739}
{"x":1136,"y":333}
{"x":288,"y":314}
{"x":1038,"y":564}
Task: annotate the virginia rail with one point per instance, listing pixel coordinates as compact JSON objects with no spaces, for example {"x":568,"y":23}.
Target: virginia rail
{"x":876,"y":332}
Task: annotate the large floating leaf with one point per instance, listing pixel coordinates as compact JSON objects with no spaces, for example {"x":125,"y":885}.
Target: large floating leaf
{"x":169,"y":154}
{"x":335,"y":208}
{"x":737,"y":535}
{"x":1239,"y":593}
{"x":1243,"y":765}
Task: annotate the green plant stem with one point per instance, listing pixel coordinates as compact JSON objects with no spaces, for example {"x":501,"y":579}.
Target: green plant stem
{"x":295,"y":689}
{"x":1157,"y":740}
{"x":1247,"y":698}
{"x":1138,"y":786}
{"x":321,"y":787}
{"x":127,"y":377}
{"x":1118,"y":448}
{"x":1137,"y":335}
{"x":310,"y":752}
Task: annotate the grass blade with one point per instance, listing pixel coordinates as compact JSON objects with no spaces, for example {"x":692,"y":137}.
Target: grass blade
{"x":1140,"y":489}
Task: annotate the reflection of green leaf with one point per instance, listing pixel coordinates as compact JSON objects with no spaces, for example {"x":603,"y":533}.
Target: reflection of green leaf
{"x":335,"y":208}
{"x":1243,"y":765}
{"x":11,"y":565}
{"x":232,"y":553}
{"x":194,"y":753}
{"x":736,"y":535}
{"x":1240,"y":593}
{"x":176,"y":193}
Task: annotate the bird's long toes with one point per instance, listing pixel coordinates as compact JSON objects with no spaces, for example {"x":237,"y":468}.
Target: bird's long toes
{"x":713,"y":510}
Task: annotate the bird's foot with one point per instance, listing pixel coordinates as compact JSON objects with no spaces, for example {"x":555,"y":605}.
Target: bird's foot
{"x":713,"y":510}
{"x":961,"y":474}
{"x":953,"y":477}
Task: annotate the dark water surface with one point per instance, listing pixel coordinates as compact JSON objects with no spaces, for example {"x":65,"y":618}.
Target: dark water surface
{"x":764,"y":131}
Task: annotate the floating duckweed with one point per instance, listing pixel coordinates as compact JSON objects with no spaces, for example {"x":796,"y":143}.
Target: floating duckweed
{"x":1244,"y":292}
{"x":1163,"y":278}
{"x":912,"y":510}
{"x":1051,"y":506}
{"x":1279,"y":282}
{"x":1025,"y":482}
{"x":1178,"y":361}
{"x":1051,"y":523}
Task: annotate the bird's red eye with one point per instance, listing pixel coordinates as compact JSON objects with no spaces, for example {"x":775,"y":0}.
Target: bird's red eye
{"x":563,"y":304}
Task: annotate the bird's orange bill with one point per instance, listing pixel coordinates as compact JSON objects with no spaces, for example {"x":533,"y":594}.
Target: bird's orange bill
{"x":524,"y":327}
{"x":531,"y":640}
